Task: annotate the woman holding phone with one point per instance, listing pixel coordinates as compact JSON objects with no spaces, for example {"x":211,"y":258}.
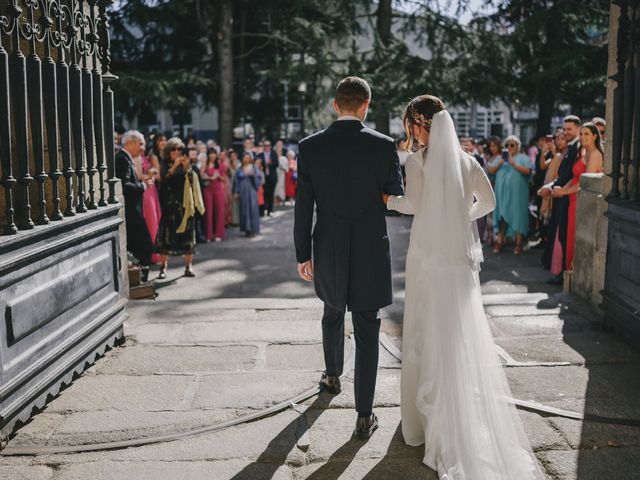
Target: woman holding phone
{"x":511,"y":216}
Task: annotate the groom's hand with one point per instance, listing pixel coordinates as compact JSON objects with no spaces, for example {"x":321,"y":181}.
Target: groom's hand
{"x":385,"y":198}
{"x":305,"y":270}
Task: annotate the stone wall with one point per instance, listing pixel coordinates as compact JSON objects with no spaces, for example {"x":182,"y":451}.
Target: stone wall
{"x":591,"y":221}
{"x":591,"y":239}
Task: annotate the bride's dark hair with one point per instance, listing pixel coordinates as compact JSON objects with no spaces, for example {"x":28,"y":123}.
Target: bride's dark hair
{"x":420,"y":111}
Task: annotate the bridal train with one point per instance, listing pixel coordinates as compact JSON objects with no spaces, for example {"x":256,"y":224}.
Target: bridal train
{"x":454,"y":390}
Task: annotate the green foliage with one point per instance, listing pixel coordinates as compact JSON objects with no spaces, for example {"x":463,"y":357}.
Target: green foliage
{"x":528,"y":52}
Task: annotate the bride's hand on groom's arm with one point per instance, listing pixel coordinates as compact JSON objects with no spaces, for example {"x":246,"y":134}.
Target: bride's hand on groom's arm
{"x":305,"y":270}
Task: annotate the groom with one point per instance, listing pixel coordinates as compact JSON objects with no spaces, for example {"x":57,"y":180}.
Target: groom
{"x":343,"y":170}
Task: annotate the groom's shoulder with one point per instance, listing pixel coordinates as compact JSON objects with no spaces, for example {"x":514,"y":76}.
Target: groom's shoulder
{"x":314,"y":137}
{"x":377,"y":136}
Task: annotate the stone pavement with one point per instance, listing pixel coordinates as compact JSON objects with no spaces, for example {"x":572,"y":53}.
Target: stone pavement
{"x":245,"y":334}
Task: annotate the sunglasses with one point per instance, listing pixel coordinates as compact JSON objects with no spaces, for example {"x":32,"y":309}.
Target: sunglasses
{"x":509,"y":145}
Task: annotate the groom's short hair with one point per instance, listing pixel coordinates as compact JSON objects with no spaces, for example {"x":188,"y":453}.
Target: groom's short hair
{"x":352,"y":92}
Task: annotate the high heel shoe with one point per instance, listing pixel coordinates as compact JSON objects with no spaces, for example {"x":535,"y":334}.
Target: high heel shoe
{"x":163,"y":272}
{"x":188,"y":271}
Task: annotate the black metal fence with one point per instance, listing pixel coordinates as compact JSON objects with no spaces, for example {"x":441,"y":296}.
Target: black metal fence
{"x":56,"y":111}
{"x":626,"y":106}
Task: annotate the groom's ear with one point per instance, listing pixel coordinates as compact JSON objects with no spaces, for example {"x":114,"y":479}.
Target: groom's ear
{"x":336,"y":107}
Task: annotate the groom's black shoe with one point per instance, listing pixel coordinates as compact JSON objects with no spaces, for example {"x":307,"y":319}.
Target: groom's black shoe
{"x":365,"y":426}
{"x":330,"y":383}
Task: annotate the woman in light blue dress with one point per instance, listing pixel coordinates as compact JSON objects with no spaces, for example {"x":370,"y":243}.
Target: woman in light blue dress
{"x":511,"y":216}
{"x":246,"y":183}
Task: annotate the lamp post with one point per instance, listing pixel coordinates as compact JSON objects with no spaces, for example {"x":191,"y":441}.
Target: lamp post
{"x":302,"y":90}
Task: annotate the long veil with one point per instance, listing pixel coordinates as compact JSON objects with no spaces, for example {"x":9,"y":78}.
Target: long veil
{"x":455,"y":241}
{"x":456,"y":387}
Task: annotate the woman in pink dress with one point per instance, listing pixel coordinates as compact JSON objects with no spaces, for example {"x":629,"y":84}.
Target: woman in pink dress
{"x":214,"y":194}
{"x":291,"y":179}
{"x":145,"y":169}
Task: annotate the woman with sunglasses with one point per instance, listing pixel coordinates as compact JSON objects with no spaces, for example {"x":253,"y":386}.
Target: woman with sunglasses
{"x":177,"y":230}
{"x":511,"y":216}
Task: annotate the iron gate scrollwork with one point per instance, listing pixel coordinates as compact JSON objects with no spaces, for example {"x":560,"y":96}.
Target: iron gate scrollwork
{"x":56,"y":111}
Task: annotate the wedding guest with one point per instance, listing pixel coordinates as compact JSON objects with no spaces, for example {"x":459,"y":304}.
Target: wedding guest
{"x":214,"y":197}
{"x":511,"y":216}
{"x":291,"y":179}
{"x":226,"y":180}
{"x":246,"y":183}
{"x":235,"y":203}
{"x":590,"y":161}
{"x":558,"y":222}
{"x":151,"y":200}
{"x":270,"y":164}
{"x":248,"y":147}
{"x":283,"y":168}
{"x":180,"y":198}
{"x":557,"y":148}
{"x":139,"y":241}
{"x":494,"y":149}
{"x":156,"y":156}
{"x":262,"y":207}
{"x":602,"y":125}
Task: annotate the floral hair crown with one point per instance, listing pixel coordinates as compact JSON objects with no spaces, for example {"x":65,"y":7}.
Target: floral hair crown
{"x":419,"y":119}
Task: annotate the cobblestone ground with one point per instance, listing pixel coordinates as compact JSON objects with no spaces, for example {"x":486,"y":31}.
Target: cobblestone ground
{"x":245,"y":334}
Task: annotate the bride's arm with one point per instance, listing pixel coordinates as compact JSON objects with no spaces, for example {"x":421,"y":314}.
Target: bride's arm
{"x":485,"y":198}
{"x":408,"y":203}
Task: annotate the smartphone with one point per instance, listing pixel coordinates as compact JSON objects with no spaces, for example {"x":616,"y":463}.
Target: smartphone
{"x":505,"y":154}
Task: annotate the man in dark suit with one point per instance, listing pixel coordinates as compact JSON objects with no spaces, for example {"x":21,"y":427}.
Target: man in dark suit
{"x":139,"y":241}
{"x":270,"y":162}
{"x":343,"y":170}
{"x":558,"y":222}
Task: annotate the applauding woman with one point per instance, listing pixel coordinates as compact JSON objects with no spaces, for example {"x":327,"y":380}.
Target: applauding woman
{"x":511,"y":216}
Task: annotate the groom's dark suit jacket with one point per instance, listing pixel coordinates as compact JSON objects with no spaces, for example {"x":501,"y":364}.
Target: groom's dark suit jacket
{"x":342,"y":171}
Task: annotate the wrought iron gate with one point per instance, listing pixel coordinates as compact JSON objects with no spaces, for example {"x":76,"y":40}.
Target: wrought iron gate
{"x":60,"y":269}
{"x":621,"y":295}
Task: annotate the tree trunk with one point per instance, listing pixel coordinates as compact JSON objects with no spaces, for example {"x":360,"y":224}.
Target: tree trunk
{"x":240,"y":72}
{"x":225,"y":73}
{"x":383,"y":26}
{"x":546,"y":103}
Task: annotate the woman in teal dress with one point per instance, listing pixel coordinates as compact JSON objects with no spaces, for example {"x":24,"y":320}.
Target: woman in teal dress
{"x":511,"y":216}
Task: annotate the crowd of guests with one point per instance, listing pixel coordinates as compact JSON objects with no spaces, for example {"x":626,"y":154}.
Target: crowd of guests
{"x":180,"y":194}
{"x":537,"y":188}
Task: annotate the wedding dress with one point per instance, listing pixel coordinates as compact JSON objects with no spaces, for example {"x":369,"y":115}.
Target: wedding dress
{"x":454,"y":391}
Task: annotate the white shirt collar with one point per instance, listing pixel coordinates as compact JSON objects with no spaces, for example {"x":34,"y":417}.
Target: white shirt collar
{"x":574,"y":140}
{"x":348,"y":117}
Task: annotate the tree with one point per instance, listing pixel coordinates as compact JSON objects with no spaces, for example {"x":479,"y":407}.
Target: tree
{"x":541,"y":53}
{"x":225,"y":69}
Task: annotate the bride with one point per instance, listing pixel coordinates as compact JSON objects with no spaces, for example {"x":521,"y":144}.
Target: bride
{"x":454,"y":392}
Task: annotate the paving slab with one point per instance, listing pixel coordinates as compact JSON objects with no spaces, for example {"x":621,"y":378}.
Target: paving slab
{"x":272,"y":440}
{"x":26,"y":472}
{"x":595,"y":464}
{"x":384,"y":468}
{"x":159,"y":470}
{"x":123,"y":393}
{"x":201,"y":333}
{"x":83,"y":428}
{"x":157,"y":360}
{"x":251,"y":390}
{"x":537,"y":325}
{"x":592,"y":435}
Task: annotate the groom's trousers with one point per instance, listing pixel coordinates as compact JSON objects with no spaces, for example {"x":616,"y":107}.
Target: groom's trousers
{"x":366,"y":328}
